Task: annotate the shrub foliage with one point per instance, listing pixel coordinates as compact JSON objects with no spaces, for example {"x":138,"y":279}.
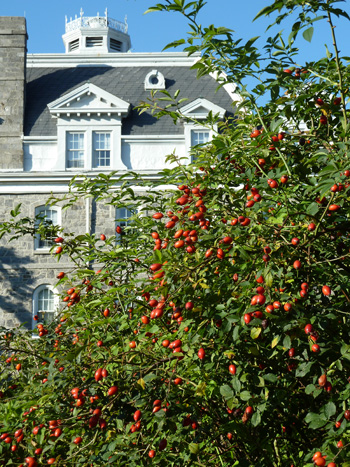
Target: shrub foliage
{"x":213,"y":329}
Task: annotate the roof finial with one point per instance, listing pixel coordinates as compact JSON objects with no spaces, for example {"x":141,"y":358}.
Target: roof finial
{"x":81,"y":12}
{"x":106,"y":13}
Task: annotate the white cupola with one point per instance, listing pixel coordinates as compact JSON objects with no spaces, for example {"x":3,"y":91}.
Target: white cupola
{"x":96,"y":35}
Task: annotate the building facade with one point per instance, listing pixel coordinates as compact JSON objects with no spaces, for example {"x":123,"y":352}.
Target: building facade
{"x":75,"y":113}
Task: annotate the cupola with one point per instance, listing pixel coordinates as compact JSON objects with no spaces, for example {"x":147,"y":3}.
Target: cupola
{"x":96,"y":35}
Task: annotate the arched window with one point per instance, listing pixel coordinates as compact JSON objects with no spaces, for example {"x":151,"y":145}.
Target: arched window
{"x":51,"y":215}
{"x":45,"y":304}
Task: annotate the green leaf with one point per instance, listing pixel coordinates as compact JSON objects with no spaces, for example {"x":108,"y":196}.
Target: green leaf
{"x":313,"y":209}
{"x":310,"y":388}
{"x":245,"y":395}
{"x":200,"y":391}
{"x":256,"y":419}
{"x":330,"y":409}
{"x":287,"y":343}
{"x":194,"y":448}
{"x":226,"y":391}
{"x":270,"y":377}
{"x":303,"y":369}
{"x":308,"y":33}
{"x":174,"y":44}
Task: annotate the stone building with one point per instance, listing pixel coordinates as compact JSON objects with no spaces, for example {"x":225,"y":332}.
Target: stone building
{"x":74,"y":113}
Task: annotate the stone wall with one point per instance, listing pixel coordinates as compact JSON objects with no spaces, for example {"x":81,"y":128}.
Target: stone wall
{"x":23,"y":269}
{"x":13,"y":39}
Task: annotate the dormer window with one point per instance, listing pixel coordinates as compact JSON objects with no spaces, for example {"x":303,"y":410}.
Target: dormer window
{"x":154,"y":80}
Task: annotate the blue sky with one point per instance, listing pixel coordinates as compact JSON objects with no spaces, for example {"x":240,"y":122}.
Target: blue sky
{"x":151,"y":32}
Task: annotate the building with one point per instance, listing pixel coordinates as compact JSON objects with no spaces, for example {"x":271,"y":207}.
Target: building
{"x":72,"y":113}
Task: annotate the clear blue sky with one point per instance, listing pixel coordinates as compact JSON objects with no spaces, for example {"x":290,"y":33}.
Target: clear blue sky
{"x":151,"y":32}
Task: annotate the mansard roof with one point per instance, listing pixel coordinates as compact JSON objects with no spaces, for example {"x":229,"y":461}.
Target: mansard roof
{"x":47,"y":84}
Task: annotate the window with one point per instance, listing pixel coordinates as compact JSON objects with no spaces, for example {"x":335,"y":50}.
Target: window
{"x":199,"y":137}
{"x":75,"y":150}
{"x":123,"y":220}
{"x":45,"y":304}
{"x":102,"y":149}
{"x":51,"y":216}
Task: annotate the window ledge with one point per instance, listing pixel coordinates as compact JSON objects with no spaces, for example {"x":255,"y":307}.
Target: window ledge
{"x":42,"y":251}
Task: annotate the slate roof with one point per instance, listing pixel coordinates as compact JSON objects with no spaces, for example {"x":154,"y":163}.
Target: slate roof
{"x":44,"y":85}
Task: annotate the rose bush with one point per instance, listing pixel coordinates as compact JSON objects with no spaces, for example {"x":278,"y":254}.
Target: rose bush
{"x":214,"y":328}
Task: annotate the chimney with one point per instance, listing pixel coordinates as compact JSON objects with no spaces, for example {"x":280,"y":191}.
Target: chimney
{"x":13,"y":47}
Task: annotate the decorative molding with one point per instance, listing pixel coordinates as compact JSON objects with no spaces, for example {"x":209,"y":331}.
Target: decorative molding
{"x":88,"y":99}
{"x":200,"y":108}
{"x":154,"y":80}
{"x":127,"y":59}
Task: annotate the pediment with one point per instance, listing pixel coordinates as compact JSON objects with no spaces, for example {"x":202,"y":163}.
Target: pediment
{"x":200,"y":108}
{"x":88,"y":99}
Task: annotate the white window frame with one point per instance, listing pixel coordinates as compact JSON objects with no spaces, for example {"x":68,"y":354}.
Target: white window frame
{"x":68,"y":150}
{"x":35,"y":302}
{"x":89,"y":128}
{"x":192,"y":127}
{"x":86,"y":109}
{"x":97,"y":151}
{"x":38,"y":210}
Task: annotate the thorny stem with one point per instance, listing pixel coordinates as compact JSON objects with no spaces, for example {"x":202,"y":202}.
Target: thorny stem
{"x":277,"y":149}
{"x":337,"y":61}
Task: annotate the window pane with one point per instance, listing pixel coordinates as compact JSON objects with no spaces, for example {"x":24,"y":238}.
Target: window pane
{"x":199,"y":137}
{"x":123,"y":214}
{"x":102,"y":146}
{"x":75,"y":150}
{"x":46,"y":306}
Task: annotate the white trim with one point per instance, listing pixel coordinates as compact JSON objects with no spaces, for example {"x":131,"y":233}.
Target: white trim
{"x":189,"y":127}
{"x":63,"y":105}
{"x":191,"y":109}
{"x":230,"y":88}
{"x":39,"y":139}
{"x":157,"y":139}
{"x":119,"y":60}
{"x":148,"y":80}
